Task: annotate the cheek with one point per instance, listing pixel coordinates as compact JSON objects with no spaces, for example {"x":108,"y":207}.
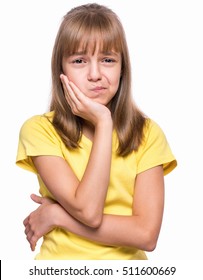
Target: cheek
{"x":115,"y":81}
{"x":114,"y":77}
{"x":78,"y":80}
{"x":74,"y":77}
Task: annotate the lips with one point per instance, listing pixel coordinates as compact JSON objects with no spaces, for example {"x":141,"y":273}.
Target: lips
{"x":97,"y":91}
{"x":98,"y":88}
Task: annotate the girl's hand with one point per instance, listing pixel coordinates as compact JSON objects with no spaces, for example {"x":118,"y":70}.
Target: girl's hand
{"x":40,"y":221}
{"x":82,"y":105}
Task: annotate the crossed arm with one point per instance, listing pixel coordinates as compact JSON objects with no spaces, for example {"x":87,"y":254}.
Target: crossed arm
{"x":140,"y":230}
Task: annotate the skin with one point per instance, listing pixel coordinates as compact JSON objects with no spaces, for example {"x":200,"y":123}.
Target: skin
{"x":90,"y":81}
{"x":96,"y":75}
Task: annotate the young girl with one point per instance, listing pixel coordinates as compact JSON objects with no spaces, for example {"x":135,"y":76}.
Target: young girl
{"x":99,"y":160}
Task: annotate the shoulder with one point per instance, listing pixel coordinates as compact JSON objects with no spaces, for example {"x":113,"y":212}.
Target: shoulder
{"x":155,"y":149}
{"x":152,"y":131}
{"x":152,"y":127}
{"x":39,"y":126}
{"x":38,"y":121}
{"x":37,"y":137}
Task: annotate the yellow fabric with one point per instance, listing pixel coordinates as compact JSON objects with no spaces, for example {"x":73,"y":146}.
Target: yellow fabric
{"x":38,"y":137}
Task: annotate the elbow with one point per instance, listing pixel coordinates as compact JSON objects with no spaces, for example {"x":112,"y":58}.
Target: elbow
{"x":92,"y":219}
{"x":88,"y":216}
{"x":146,"y":241}
{"x":94,"y":223}
{"x":150,"y":246}
{"x":150,"y":242}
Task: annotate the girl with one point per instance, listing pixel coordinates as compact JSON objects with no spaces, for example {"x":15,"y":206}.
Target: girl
{"x":99,"y":160}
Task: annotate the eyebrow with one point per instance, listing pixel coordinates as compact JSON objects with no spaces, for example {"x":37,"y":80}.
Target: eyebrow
{"x":83,"y":52}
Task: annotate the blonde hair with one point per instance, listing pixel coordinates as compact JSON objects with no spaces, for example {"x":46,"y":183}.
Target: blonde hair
{"x":81,"y":25}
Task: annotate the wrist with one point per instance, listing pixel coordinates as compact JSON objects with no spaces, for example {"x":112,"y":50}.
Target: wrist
{"x":55,"y":215}
{"x":59,"y":216}
{"x":105,"y":121}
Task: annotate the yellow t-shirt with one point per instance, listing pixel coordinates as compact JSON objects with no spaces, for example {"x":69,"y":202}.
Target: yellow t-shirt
{"x":38,"y":137}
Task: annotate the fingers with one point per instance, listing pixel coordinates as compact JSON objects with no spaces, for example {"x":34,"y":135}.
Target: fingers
{"x":32,"y":243}
{"x":66,"y":87}
{"x":73,"y":95}
{"x":25,"y":222}
{"x":81,"y":105}
{"x":30,"y":236}
{"x":36,"y":198}
{"x":32,"y":240}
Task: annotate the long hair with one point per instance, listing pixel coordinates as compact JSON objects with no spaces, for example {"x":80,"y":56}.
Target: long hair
{"x":81,"y":25}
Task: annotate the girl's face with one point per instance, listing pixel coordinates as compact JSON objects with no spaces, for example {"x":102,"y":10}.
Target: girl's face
{"x":96,"y":74}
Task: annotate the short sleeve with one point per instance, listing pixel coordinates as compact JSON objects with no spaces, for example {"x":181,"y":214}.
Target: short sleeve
{"x":37,"y":137}
{"x":155,"y":150}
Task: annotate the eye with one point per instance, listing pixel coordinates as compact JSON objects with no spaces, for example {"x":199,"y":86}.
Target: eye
{"x":108,"y":60}
{"x":78,"y":61}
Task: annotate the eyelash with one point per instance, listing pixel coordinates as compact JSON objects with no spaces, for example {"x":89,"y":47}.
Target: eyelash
{"x":110,"y":60}
{"x":77,"y":61}
{"x":80,"y":60}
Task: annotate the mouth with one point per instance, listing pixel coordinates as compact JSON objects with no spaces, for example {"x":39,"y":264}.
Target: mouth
{"x":98,"y":89}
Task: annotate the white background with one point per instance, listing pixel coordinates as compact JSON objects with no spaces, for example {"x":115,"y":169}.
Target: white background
{"x":166,"y":47}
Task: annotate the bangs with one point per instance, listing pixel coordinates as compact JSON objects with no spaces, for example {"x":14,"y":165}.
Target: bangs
{"x":89,"y":34}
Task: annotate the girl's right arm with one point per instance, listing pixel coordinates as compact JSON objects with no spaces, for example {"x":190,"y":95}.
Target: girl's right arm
{"x":84,"y":199}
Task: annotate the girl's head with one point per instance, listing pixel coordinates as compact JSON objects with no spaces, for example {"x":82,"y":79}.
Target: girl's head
{"x":85,"y":29}
{"x":93,"y":29}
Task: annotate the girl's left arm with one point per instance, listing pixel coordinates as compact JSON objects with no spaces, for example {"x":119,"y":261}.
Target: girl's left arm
{"x":140,"y":230}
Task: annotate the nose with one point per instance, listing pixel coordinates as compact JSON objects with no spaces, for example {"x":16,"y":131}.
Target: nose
{"x":94,"y":71}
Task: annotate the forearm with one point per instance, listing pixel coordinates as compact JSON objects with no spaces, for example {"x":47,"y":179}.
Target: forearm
{"x":92,"y":189}
{"x":115,"y":230}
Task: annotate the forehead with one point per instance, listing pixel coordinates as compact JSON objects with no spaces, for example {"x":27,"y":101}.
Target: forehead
{"x":94,"y":40}
{"x":96,"y":47}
